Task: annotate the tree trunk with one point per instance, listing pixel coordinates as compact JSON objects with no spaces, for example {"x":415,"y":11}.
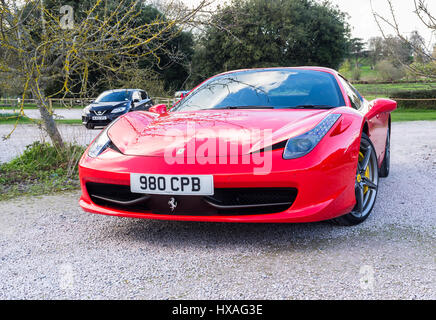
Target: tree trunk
{"x":47,"y":118}
{"x":50,"y":126}
{"x":48,"y":121}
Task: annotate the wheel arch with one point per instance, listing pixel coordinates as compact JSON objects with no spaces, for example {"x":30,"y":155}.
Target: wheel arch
{"x":365,"y":128}
{"x":390,"y":122}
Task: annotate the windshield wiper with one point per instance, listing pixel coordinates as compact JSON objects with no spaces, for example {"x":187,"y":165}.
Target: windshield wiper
{"x":246,"y":107}
{"x":313,"y":106}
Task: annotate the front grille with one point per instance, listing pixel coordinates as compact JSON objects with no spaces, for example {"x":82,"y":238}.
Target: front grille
{"x":111,"y":191}
{"x":97,"y":112}
{"x":225,"y":201}
{"x":251,"y":196}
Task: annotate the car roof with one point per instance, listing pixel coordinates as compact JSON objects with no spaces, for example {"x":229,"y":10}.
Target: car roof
{"x":118,"y":90}
{"x":314,"y":68}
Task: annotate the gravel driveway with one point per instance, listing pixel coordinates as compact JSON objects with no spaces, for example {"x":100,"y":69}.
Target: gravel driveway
{"x":62,"y":113}
{"x":58,"y":113}
{"x":26,"y":134}
{"x":50,"y":249}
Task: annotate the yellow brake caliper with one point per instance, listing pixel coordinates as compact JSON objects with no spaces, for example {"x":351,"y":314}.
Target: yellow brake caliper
{"x":365,"y":188}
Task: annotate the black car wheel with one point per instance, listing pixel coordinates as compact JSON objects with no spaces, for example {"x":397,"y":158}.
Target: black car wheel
{"x":89,"y":126}
{"x":366,"y":185}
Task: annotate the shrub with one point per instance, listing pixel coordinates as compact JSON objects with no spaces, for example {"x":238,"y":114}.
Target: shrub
{"x":418,"y":94}
{"x":345,"y":67}
{"x":41,"y":169}
{"x":388,"y":72}
{"x":356,"y":74}
{"x":418,"y":70}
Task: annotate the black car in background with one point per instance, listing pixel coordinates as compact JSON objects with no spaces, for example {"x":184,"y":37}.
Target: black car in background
{"x":112,"y":103}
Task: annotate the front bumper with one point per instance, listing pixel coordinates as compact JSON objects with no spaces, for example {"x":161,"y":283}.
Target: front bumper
{"x":87,"y":119}
{"x":324,"y":184}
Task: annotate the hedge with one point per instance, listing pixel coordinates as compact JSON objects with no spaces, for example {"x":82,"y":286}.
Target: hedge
{"x":415,"y":104}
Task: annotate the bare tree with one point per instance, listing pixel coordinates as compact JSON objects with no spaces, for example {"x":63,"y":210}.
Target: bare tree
{"x":39,"y":46}
{"x":425,"y":65}
{"x":418,"y":46}
{"x":375,"y":46}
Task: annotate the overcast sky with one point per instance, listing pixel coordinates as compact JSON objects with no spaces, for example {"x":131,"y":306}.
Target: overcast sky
{"x":362,"y":20}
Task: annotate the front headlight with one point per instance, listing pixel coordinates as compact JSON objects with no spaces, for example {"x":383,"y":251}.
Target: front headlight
{"x":301,"y":145}
{"x":99,"y":145}
{"x":119,"y":109}
{"x":86,"y":110}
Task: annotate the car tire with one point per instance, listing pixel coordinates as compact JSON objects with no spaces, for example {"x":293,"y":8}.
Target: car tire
{"x":386,"y":164}
{"x":366,"y":185}
{"x":89,"y":126}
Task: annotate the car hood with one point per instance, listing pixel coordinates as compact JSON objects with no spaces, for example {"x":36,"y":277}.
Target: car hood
{"x":100,"y":106}
{"x":186,"y":134}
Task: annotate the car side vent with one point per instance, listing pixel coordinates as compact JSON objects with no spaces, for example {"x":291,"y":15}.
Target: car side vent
{"x":114,"y":147}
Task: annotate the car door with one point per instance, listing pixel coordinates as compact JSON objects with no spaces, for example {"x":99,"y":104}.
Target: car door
{"x":141,"y":101}
{"x":377,"y":126}
{"x":136,"y":100}
{"x":148,"y":102}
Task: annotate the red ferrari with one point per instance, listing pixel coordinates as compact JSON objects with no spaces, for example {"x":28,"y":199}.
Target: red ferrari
{"x":258,"y":145}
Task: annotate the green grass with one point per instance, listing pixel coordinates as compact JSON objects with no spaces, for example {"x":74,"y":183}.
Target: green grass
{"x":41,"y":169}
{"x":381,"y":90}
{"x":34,"y":106}
{"x":69,"y":121}
{"x":367,"y":74}
{"x":386,"y":90}
{"x":398,"y":115}
{"x":413,"y":115}
{"x":11,"y":118}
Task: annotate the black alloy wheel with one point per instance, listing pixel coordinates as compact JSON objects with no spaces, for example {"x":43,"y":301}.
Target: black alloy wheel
{"x":365,"y":185}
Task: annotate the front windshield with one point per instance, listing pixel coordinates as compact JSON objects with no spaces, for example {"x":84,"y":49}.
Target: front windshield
{"x":114,"y":96}
{"x":278,"y":88}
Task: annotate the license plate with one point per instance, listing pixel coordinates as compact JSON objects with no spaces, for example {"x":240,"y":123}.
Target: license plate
{"x":171,"y":184}
{"x":99,"y":118}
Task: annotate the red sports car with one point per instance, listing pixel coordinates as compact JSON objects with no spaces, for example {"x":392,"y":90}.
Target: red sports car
{"x":259,"y":145}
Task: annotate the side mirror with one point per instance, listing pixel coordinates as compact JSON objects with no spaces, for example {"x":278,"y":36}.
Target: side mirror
{"x":381,"y":106}
{"x":136,"y":100}
{"x":181,"y":94}
{"x":159,"y":109}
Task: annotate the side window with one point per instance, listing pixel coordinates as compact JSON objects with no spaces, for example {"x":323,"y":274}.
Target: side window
{"x":136,"y":96}
{"x":144,"y":95}
{"x":355,"y":98}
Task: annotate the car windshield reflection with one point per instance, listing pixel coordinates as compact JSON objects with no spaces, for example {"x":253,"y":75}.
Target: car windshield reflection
{"x":117,"y":96}
{"x":282,"y":88}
